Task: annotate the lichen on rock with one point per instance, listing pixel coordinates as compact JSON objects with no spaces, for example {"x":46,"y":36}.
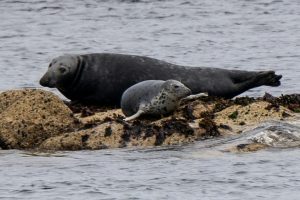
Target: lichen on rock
{"x":37,"y":119}
{"x":28,"y":117}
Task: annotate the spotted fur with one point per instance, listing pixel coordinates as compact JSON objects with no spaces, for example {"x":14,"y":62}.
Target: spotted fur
{"x":153,"y":97}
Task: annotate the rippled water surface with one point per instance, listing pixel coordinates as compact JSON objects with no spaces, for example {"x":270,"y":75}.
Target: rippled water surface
{"x":233,"y":34}
{"x":180,"y":173}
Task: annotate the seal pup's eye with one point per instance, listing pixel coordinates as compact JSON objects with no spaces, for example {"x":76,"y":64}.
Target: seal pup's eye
{"x":50,"y":65}
{"x":62,"y":70}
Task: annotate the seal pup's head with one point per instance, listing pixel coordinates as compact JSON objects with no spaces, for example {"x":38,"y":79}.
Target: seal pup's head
{"x":175,"y":89}
{"x":169,"y":97}
{"x":61,"y":72}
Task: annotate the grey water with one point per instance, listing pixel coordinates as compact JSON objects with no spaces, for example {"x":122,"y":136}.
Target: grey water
{"x":232,"y":34}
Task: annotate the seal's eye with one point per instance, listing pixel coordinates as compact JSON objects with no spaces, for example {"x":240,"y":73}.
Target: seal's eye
{"x":50,"y":65}
{"x":176,"y":86}
{"x":62,"y":70}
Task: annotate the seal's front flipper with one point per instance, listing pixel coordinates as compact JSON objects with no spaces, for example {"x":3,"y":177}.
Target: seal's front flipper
{"x":195,"y":96}
{"x":136,"y":115}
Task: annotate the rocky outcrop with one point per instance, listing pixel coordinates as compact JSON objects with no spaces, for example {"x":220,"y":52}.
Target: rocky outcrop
{"x":36,"y":119}
{"x":28,"y":117}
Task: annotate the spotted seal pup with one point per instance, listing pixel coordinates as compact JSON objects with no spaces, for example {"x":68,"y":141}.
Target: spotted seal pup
{"x":101,"y":78}
{"x":154,"y":97}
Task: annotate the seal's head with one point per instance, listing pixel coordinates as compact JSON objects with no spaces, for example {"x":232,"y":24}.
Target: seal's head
{"x":175,"y":89}
{"x":61,"y":72}
{"x":169,"y":97}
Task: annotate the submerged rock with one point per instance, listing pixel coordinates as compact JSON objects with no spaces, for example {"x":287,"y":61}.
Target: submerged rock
{"x":251,"y":147}
{"x":36,"y":119}
{"x":275,"y":134}
{"x":279,"y":136}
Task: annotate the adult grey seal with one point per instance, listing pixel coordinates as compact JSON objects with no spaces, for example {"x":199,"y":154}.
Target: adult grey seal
{"x":102,"y":78}
{"x":153,"y":97}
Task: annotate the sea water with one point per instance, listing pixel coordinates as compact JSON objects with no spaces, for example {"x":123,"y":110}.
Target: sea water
{"x":233,"y":34}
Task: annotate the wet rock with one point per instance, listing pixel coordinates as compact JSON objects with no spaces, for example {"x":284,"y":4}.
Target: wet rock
{"x":244,"y":101}
{"x":280,"y":136}
{"x":117,"y":134}
{"x":28,"y":117}
{"x":39,"y":119}
{"x":273,"y":134}
{"x":292,"y":101}
{"x":251,"y":115}
{"x":194,"y":120}
{"x":251,"y":147}
{"x":93,"y":138}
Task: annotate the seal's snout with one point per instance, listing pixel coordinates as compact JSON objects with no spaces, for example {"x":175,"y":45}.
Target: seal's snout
{"x":46,"y":82}
{"x":189,"y":91}
{"x":186,"y":91}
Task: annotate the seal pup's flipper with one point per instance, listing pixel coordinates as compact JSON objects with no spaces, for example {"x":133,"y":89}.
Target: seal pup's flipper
{"x":195,"y":96}
{"x":136,"y":115}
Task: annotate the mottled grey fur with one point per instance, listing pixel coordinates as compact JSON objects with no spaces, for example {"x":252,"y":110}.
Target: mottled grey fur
{"x":153,"y":97}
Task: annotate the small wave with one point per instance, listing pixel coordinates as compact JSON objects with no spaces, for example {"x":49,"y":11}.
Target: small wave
{"x":50,"y":8}
{"x":283,"y":136}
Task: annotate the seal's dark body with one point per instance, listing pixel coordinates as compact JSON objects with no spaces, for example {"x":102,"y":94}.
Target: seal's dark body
{"x":102,"y":78}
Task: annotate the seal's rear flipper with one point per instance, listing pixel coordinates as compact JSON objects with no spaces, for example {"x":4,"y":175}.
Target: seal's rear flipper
{"x":275,"y":81}
{"x":269,"y":78}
